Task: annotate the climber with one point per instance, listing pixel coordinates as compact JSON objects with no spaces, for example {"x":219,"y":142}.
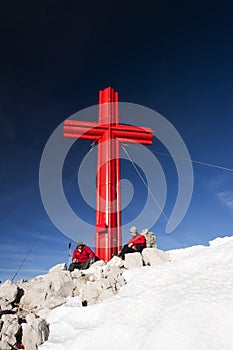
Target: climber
{"x":136,"y":244}
{"x":82,"y":257}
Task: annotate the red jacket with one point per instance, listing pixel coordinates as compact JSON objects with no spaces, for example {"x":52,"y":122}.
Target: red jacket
{"x":139,"y":239}
{"x":83,"y":255}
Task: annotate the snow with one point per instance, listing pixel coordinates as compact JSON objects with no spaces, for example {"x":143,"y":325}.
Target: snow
{"x":186,"y":303}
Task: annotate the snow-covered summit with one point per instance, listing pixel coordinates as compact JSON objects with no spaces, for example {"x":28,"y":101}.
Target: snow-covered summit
{"x":186,"y":303}
{"x":220,"y":240}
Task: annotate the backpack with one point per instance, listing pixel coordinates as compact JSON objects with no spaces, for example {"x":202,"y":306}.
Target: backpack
{"x":150,"y":238}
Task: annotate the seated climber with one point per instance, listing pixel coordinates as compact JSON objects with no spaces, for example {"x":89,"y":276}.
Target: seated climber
{"x":82,"y":257}
{"x":136,"y":244}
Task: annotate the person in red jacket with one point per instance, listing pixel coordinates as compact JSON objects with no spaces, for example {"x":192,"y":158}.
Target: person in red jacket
{"x":82,"y":257}
{"x":136,"y":244}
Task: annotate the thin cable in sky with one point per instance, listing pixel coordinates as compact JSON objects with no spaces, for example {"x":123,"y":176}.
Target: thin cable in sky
{"x":24,"y":259}
{"x":16,"y":207}
{"x":190,"y":160}
{"x":149,"y":190}
{"x":144,"y":182}
{"x":196,"y":161}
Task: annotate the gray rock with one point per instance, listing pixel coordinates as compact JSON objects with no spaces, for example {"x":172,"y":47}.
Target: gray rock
{"x":90,"y":293}
{"x":35,"y":332}
{"x":47,"y":291}
{"x":103,"y":284}
{"x":4,"y":345}
{"x":79,"y":284}
{"x":115,"y":262}
{"x":153,"y":256}
{"x":93,"y":273}
{"x":8,"y":291}
{"x":5,"y":305}
{"x":121,"y":281}
{"x":113,"y":271}
{"x":76,"y":273}
{"x":98,"y":263}
{"x":164,"y":256}
{"x":59,"y":267}
{"x":10,"y":328}
{"x":107,"y":293}
{"x":133,"y":260}
{"x":35,"y":293}
{"x":60,"y":282}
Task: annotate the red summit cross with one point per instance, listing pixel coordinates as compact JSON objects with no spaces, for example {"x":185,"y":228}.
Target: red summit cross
{"x":108,"y":134}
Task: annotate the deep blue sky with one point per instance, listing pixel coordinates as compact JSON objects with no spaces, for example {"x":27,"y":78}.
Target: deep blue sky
{"x":173,"y":56}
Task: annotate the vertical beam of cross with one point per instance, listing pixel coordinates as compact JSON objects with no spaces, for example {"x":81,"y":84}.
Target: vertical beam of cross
{"x":108,"y":211}
{"x":108,"y":133}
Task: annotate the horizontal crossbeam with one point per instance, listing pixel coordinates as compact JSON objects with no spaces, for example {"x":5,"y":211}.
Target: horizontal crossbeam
{"x":94,"y":131}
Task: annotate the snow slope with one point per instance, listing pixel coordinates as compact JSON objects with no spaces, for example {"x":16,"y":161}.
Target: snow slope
{"x":185,"y":304}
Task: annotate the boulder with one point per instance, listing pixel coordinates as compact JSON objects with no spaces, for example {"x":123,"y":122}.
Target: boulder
{"x":98,"y":263}
{"x":4,"y":345}
{"x":115,"y":262}
{"x":90,"y":293}
{"x":35,"y":332}
{"x":120,"y":281}
{"x":5,"y":305}
{"x":154,"y":256}
{"x":60,"y":283}
{"x":133,"y":260}
{"x":79,"y":284}
{"x":107,"y":293}
{"x":9,"y":330}
{"x":113,"y":271}
{"x":47,"y":291}
{"x":164,"y":256}
{"x":8,"y":292}
{"x":93,"y":273}
{"x":35,"y":293}
{"x":114,"y":276}
{"x":76,"y":273}
{"x":103,"y":284}
{"x":58,"y":267}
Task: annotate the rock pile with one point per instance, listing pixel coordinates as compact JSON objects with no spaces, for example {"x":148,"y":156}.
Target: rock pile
{"x":22,"y":304}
